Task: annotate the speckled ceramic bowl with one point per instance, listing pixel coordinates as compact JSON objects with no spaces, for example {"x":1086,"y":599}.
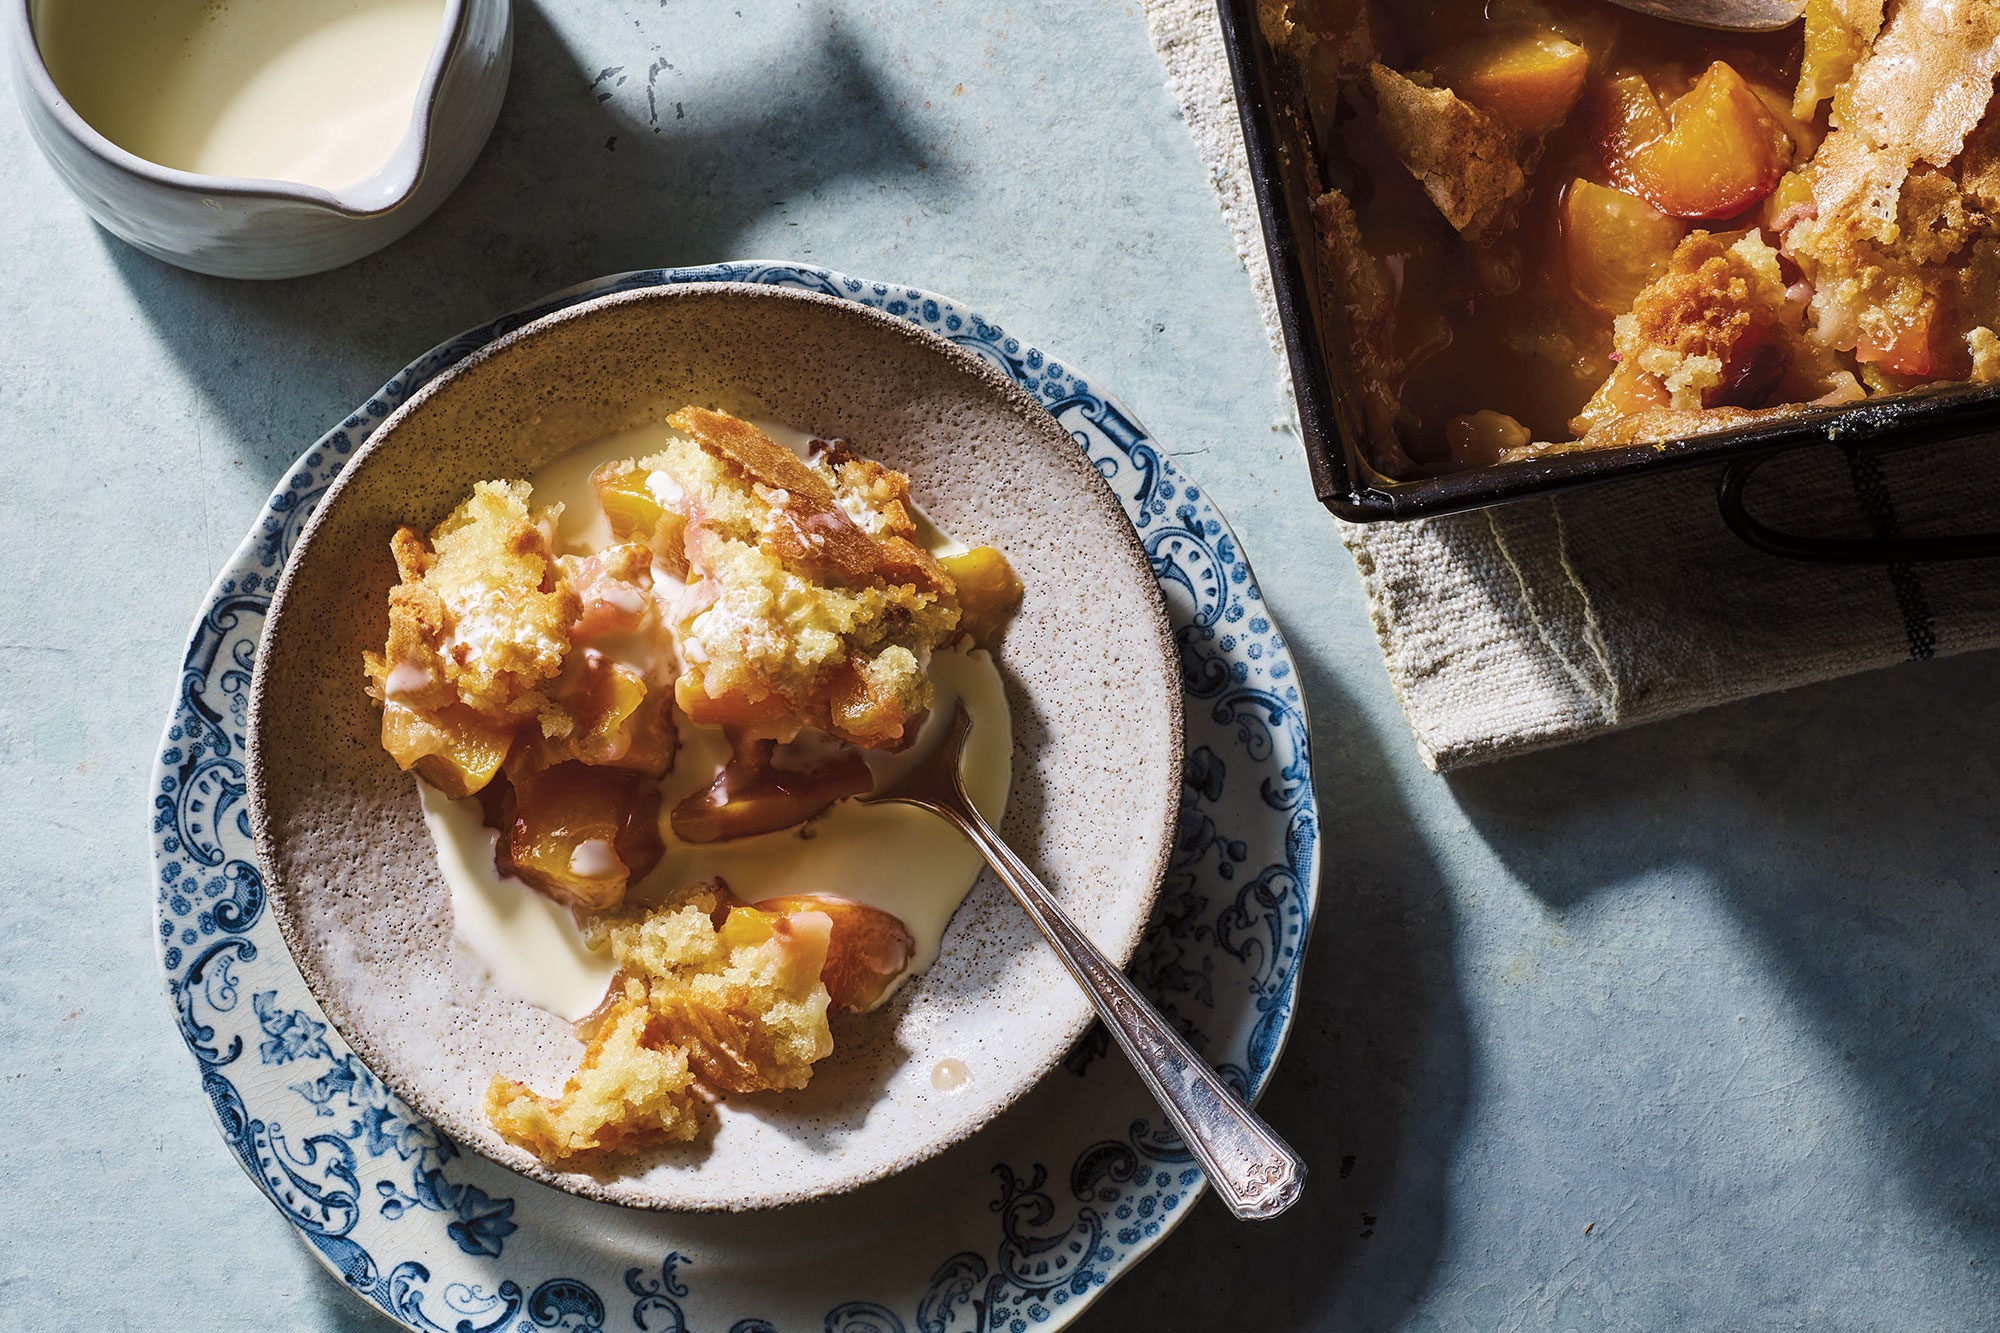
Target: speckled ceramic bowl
{"x":1089,"y":664}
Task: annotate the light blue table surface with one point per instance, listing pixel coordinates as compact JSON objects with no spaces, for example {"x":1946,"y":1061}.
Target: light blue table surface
{"x":1691,"y":1028}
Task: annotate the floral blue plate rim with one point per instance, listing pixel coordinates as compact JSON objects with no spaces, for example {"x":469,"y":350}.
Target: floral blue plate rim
{"x":1022,"y":1226}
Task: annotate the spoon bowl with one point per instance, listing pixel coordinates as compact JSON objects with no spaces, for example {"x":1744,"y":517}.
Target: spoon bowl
{"x":1723,"y":15}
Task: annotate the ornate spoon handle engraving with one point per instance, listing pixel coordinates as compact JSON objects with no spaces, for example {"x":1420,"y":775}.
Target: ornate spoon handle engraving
{"x":1257,"y":1174}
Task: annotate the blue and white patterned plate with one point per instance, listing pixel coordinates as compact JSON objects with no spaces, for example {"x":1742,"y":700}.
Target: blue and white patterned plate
{"x":1022,"y":1225}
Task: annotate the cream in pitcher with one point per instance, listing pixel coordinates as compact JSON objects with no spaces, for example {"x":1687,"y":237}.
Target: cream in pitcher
{"x":309,"y":91}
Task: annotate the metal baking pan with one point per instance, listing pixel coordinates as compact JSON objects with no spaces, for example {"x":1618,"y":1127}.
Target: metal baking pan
{"x":1273,"y":110}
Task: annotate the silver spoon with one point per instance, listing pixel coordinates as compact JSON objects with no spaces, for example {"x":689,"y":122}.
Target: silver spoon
{"x":1251,"y":1167}
{"x":1728,"y":15}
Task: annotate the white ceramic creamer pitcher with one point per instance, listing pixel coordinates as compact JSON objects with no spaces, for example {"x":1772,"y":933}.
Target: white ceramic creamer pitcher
{"x":260,"y":138}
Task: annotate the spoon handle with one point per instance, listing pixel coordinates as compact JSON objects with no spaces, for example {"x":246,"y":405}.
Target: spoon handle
{"x":1253,"y":1169}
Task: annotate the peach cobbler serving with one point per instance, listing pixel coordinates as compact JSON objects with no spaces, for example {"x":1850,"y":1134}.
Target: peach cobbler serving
{"x":637,"y":704}
{"x":1547,"y":225}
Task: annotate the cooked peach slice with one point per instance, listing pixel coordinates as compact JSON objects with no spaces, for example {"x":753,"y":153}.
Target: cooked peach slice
{"x":1615,"y":243}
{"x":867,"y":952}
{"x":621,"y":723}
{"x":1480,"y":439}
{"x":1527,"y":80}
{"x":615,"y":589}
{"x":1711,"y":153}
{"x":732,"y":708}
{"x":988,"y":591}
{"x":578,"y":833}
{"x":752,"y":794}
{"x":1901,"y":342}
{"x":454,"y":749}
{"x":652,"y":742}
{"x":637,"y":514}
{"x":1790,"y":202}
{"x":866,"y":708}
{"x":616,"y":721}
{"x":1804,"y":134}
{"x":1628,"y":391}
{"x":1837,"y":36}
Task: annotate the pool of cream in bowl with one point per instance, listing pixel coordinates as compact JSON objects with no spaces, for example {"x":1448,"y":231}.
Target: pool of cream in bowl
{"x":896,"y":858}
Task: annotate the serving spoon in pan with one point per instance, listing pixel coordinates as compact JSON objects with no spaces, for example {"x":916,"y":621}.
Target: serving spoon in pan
{"x":1253,"y":1169}
{"x":1728,"y":15}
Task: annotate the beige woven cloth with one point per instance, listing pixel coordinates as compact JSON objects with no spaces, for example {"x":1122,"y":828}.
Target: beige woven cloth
{"x":1545,"y":621}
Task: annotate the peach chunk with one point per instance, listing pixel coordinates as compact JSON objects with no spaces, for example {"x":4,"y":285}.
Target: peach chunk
{"x":868,"y":711}
{"x":614,"y":589}
{"x":1838,"y":33}
{"x":1628,"y":392}
{"x":752,"y":794}
{"x":1526,"y":79}
{"x":1615,"y":243}
{"x":620,"y":722}
{"x":1790,"y":203}
{"x":1480,"y":439}
{"x":868,"y":951}
{"x":1901,"y":343}
{"x":635,"y":513}
{"x":1711,"y":153}
{"x":578,"y":833}
{"x":454,"y":749}
{"x":732,"y":708}
{"x":988,"y":592}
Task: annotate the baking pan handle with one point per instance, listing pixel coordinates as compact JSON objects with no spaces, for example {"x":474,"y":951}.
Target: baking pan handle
{"x":1886,"y":547}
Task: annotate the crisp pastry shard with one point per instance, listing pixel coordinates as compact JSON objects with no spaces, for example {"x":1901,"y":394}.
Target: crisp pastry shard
{"x":1467,"y":162}
{"x":1356,"y":293}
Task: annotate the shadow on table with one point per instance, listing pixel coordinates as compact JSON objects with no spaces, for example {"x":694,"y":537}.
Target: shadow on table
{"x":1822,"y":820}
{"x":1371,"y":1090}
{"x":589,"y":172}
